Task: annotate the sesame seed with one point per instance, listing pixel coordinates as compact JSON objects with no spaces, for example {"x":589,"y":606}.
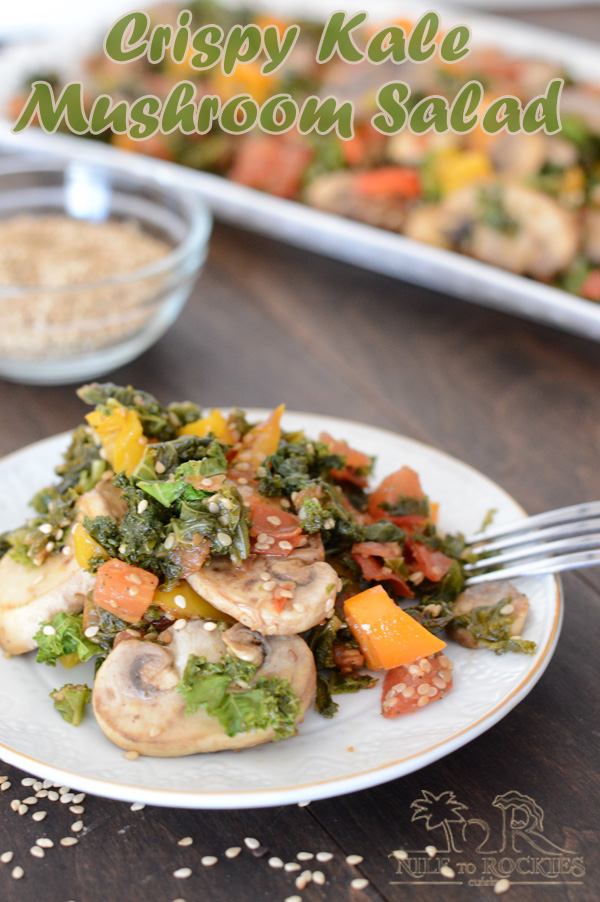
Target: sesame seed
{"x":304,"y":856}
{"x":293,"y":899}
{"x":422,"y":701}
{"x":208,"y":861}
{"x":133,"y":578}
{"x":224,"y":539}
{"x":6,"y":857}
{"x":49,"y":631}
{"x":503,"y":885}
{"x":53,"y":796}
{"x":169,"y":542}
{"x":91,"y":631}
{"x":262,"y":537}
{"x":359,"y":883}
{"x":437,"y":681}
{"x":22,"y":809}
{"x":182,"y":873}
{"x":77,"y":827}
{"x":354,"y":859}
{"x":304,"y":878}
{"x":133,"y":590}
{"x":303,"y":804}
{"x":251,"y":843}
{"x":30,"y":800}
{"x":15,"y":804}
{"x":63,"y":790}
{"x":446,"y":871}
{"x":186,"y":841}
{"x":275,"y":521}
{"x":414,"y":670}
{"x":213,"y":507}
{"x":44,"y":842}
{"x":131,"y":755}
{"x":166,"y":636}
{"x":180,"y":624}
{"x":67,"y":798}
{"x":37,"y":852}
{"x":291,"y":866}
{"x":28,"y":781}
{"x":142,"y":506}
{"x":324,"y":856}
{"x":180,"y":601}
{"x":318,"y":878}
{"x":69,"y":841}
{"x":47,"y":784}
{"x":66,"y":551}
{"x":49,"y":546}
{"x":297,"y":606}
{"x":507,"y":609}
{"x":122,"y":549}
{"x":6,"y":785}
{"x":3,"y":780}
{"x":17,"y":873}
{"x":45,"y":528}
{"x":425,"y":665}
{"x":269,"y":584}
{"x":160,"y":467}
{"x":275,"y":862}
{"x":39,"y":815}
{"x":210,"y":625}
{"x":232,"y":852}
{"x":242,"y":481}
{"x":285,"y":546}
{"x":242,"y":465}
{"x":431,"y":851}
{"x":76,"y":809}
{"x":432,"y":692}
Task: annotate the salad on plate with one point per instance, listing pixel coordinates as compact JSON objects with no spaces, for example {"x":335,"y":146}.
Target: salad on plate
{"x":226,"y":575}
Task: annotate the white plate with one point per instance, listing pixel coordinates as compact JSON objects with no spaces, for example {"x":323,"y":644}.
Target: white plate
{"x":358,"y":748}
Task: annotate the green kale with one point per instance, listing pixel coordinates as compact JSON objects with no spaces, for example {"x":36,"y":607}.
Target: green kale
{"x":494,"y":212}
{"x":384,"y":531}
{"x":229,"y":691}
{"x":320,"y":640}
{"x":109,"y":625}
{"x":406,"y":506}
{"x":70,"y":700}
{"x":298,"y":465}
{"x":157,"y":421}
{"x":67,"y":638}
{"x":491,"y":628}
{"x":340,"y":683}
{"x":324,"y":703}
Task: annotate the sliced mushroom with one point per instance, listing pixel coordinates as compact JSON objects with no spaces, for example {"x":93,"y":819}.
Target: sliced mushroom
{"x":336,"y":192}
{"x":138,"y":709}
{"x":487,"y":594}
{"x":272,"y":595}
{"x":245,"y":644}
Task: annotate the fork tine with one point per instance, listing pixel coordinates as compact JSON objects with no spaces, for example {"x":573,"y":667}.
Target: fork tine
{"x":562,"y":515}
{"x":543,"y":549}
{"x":578,"y":560}
{"x":560,"y":531}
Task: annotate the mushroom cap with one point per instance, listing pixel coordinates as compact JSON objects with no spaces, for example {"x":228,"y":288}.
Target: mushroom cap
{"x":137,"y":707}
{"x":485,"y":594}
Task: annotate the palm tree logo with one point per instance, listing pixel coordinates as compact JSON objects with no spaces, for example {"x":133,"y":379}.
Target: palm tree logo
{"x":439,"y":813}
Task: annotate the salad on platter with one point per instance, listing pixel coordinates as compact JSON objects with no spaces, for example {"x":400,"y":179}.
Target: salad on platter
{"x":226,"y":575}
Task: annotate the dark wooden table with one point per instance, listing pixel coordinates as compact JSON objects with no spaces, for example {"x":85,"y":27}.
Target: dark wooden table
{"x":516,"y":400}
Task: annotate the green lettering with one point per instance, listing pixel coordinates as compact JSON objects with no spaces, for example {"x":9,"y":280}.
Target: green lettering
{"x":106,"y":116}
{"x":160,"y":39}
{"x":144,"y":114}
{"x":206,"y":44}
{"x":389,"y":42}
{"x":337,"y":36}
{"x":430,"y":114}
{"x":390,"y":100}
{"x":50,"y":113}
{"x":453,"y":46}
{"x":463,"y":112}
{"x":325,"y":115}
{"x":421,"y":42}
{"x":239,"y":114}
{"x":278,"y":51}
{"x":179,"y":50}
{"x":244,"y":44}
{"x":208,"y":111}
{"x":179,"y":110}
{"x":504,"y":114}
{"x":123,"y":42}
{"x":543,"y":112}
{"x":278,"y":114}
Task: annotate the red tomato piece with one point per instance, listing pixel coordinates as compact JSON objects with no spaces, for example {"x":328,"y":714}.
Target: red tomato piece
{"x":413,"y":686}
{"x":432,"y":564}
{"x":124,"y":590}
{"x":355,"y":461}
{"x":275,"y":524}
{"x":404,"y":482}
{"x":591,"y":286}
{"x":270,"y":163}
{"x":373,"y":569}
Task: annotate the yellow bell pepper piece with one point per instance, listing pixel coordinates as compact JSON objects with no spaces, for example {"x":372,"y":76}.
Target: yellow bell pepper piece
{"x":122,"y":437}
{"x":215,"y":422}
{"x":261,"y":440}
{"x":456,"y":168}
{"x":85,"y":546}
{"x":70,"y":661}
{"x":195,"y":605}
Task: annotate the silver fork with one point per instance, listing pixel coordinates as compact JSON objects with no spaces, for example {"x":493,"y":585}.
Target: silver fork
{"x":564,"y":539}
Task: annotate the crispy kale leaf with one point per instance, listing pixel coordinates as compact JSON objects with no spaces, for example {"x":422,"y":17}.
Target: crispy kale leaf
{"x":492,"y":629}
{"x":157,"y":421}
{"x":229,"y":691}
{"x":70,"y":700}
{"x":67,"y":639}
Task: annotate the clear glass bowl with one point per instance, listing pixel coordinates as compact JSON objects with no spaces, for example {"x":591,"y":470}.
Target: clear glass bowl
{"x":70,"y":332}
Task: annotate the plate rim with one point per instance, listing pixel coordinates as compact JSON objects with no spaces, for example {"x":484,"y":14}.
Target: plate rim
{"x":361,"y":779}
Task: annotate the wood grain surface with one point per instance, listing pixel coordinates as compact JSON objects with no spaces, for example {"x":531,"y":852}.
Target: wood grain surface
{"x":516,"y":400}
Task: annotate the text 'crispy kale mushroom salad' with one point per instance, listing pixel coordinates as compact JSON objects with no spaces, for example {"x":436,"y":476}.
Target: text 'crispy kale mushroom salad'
{"x":226,"y":576}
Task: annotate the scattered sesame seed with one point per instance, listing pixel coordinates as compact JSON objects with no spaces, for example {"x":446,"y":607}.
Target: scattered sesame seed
{"x":6,"y":785}
{"x":251,"y":843}
{"x":39,"y":815}
{"x":169,"y":542}
{"x":77,"y":827}
{"x":213,"y":507}
{"x":133,"y":590}
{"x":275,"y":521}
{"x":293,"y":899}
{"x":37,"y":852}
{"x":291,"y":866}
{"x":269,"y":584}
{"x":67,"y":798}
{"x":224,"y":539}
{"x":423,"y":689}
{"x":44,"y":842}
{"x":359,"y":883}
{"x":180,"y":624}
{"x":242,"y":481}
{"x":131,"y":755}
{"x":431,"y":851}
{"x":53,"y":796}
{"x":142,"y":506}
{"x":186,"y":841}
{"x":28,"y":781}
{"x":304,"y":856}
{"x":47,"y":784}
{"x":22,"y":809}
{"x":76,"y":809}
{"x":446,"y":871}
{"x":180,"y":601}
{"x":354,"y":859}
{"x":232,"y":852}
{"x":285,"y":546}
{"x":66,"y":551}
{"x":304,"y":878}
{"x":15,"y":804}
{"x":318,"y":878}
{"x":30,"y":800}
{"x":49,"y":546}
{"x":63,"y":790}
{"x":303,"y":804}
{"x":324,"y":856}
{"x":17,"y":873}
{"x":210,"y":625}
{"x":503,"y":885}
{"x":182,"y":873}
{"x":49,"y":630}
{"x":208,"y":861}
{"x":275,"y":862}
{"x":69,"y":841}
{"x":122,"y":549}
{"x":91,"y":631}
{"x":507,"y":609}
{"x":3,"y":780}
{"x":159,"y":467}
{"x":6,"y":857}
